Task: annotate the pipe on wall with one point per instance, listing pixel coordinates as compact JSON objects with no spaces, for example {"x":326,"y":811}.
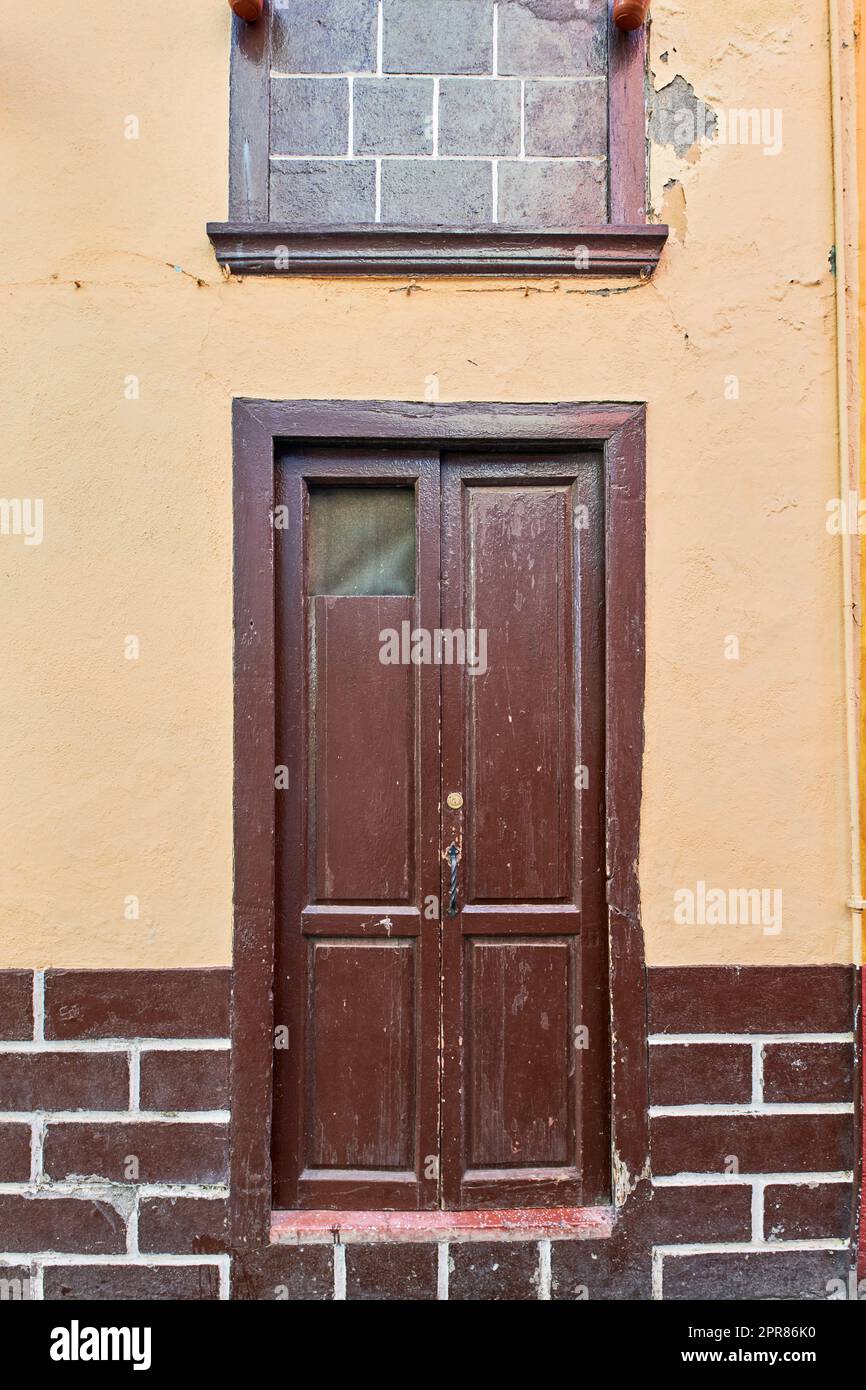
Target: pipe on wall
{"x":630,"y":14}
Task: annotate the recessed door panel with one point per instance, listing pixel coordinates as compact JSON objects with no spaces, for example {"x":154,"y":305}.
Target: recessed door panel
{"x":362,"y":1052}
{"x":362,"y":746}
{"x":518,"y":1024}
{"x":519,"y":845}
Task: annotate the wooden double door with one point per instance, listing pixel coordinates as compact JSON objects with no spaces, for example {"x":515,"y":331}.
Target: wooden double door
{"x":441,"y":994}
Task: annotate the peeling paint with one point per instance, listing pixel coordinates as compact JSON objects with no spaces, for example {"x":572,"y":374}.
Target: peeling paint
{"x":679,"y":118}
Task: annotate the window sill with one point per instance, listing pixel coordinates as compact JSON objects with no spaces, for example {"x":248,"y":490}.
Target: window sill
{"x":273,"y":248}
{"x":525,"y":1223}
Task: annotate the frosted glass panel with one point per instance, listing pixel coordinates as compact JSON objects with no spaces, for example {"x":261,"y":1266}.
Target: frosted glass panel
{"x":362,"y":540}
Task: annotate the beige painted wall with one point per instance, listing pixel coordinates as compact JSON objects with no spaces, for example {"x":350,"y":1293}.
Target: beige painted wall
{"x":117,"y":773}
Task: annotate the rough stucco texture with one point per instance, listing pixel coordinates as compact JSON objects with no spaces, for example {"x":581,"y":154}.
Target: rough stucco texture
{"x":117,"y":773}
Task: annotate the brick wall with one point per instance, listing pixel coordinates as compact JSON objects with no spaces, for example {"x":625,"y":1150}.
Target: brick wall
{"x":457,"y":112}
{"x":753,"y":1131}
{"x":114,"y":1135}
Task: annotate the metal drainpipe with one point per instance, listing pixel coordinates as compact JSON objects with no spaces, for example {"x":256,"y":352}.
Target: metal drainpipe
{"x":848,"y":480}
{"x":848,"y":388}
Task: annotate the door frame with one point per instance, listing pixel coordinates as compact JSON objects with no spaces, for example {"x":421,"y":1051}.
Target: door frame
{"x":258,"y":427}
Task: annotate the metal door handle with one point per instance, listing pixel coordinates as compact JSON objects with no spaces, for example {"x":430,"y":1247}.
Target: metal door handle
{"x":452,"y":854}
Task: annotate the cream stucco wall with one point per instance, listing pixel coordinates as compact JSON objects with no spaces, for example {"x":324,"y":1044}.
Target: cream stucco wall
{"x":117,"y":773}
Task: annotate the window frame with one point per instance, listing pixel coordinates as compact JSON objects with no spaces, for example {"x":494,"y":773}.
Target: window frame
{"x":260,"y":427}
{"x":250,"y":244}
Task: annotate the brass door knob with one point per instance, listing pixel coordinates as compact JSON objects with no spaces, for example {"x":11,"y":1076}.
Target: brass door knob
{"x":455,"y":801}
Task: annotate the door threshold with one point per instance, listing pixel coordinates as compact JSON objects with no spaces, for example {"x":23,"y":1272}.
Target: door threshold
{"x":519,"y":1223}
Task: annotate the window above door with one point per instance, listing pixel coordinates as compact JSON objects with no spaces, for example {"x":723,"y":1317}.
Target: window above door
{"x":409,"y":136}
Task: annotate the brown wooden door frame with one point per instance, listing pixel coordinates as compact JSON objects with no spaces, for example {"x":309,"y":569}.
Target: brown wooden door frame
{"x":257,"y":428}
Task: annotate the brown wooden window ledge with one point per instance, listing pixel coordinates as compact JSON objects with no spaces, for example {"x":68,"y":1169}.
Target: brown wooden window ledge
{"x":275,"y":249}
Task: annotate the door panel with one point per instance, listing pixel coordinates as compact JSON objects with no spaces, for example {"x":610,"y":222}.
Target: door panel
{"x":524,"y":1037}
{"x":519,"y":998}
{"x":518,"y":846}
{"x":362,"y":1014}
{"x":362,"y":738}
{"x":357,"y":1088}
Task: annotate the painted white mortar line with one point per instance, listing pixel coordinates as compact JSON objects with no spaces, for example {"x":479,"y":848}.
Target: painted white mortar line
{"x":351,"y":117}
{"x":378,"y":214}
{"x":572,"y":80}
{"x":135,"y":1079}
{"x":380,"y":38}
{"x":757,"y":1073}
{"x":120,"y":1117}
{"x":522,"y":118}
{"x":120,"y":1045}
{"x":339,"y":1273}
{"x":140,"y":1262}
{"x":38,"y":1283}
{"x":743,"y":1247}
{"x":442,"y":1271}
{"x":435,"y":127}
{"x":132,"y":1226}
{"x":658,"y":1273}
{"x":544,"y":1270}
{"x":764,"y":1108}
{"x":496,"y":38}
{"x":494,"y":167}
{"x":758,"y":1211}
{"x":108,"y":1191}
{"x":38,"y":1006}
{"x":37,"y":1146}
{"x":714,"y":1179}
{"x":672,"y":1039}
{"x":427,"y":159}
{"x":225,"y":1267}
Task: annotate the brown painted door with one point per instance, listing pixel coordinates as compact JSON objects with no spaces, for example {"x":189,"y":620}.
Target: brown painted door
{"x":441,"y":971}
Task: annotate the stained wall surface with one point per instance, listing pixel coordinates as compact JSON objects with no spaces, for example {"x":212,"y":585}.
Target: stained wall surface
{"x":124,"y":345}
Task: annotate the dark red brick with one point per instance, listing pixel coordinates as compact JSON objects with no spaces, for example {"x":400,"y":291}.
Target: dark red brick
{"x":61,"y":1224}
{"x":16,"y":1005}
{"x":166,"y":1152}
{"x":64,"y":1081}
{"x":491,"y":1271}
{"x":392,"y":1271}
{"x":183,"y":1225}
{"x":760,"y":1143}
{"x":137,"y":1004}
{"x":822,"y":1072}
{"x":600,"y":1271}
{"x":184,"y":1080}
{"x":797,"y":1275}
{"x":14,"y":1153}
{"x":128,"y":1282}
{"x":751,"y":999}
{"x":809,"y":1212}
{"x":691,"y":1214}
{"x":700,"y":1074}
{"x":285,"y":1273}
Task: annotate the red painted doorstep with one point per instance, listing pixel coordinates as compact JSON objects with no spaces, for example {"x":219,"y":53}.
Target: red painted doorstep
{"x":527,"y":1223}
